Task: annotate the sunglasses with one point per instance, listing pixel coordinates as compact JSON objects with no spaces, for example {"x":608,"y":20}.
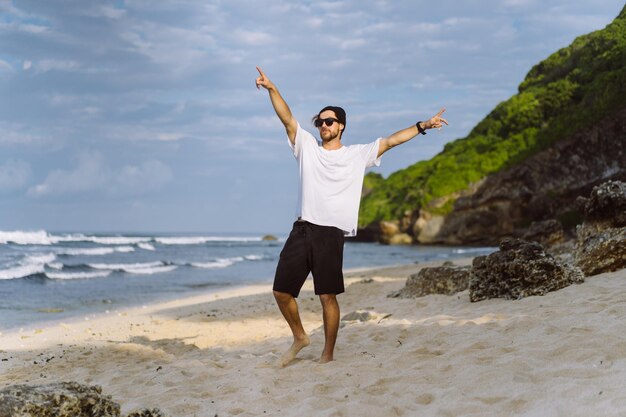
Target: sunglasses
{"x":328,"y":121}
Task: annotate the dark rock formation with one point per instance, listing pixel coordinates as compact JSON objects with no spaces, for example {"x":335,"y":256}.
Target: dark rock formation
{"x":358,"y":316}
{"x":607,"y":204}
{"x":437,"y":280}
{"x":547,"y":232}
{"x":155,"y":412}
{"x":519,"y":269}
{"x":59,"y":399}
{"x":62,"y":399}
{"x":542,"y":187}
{"x":601,"y":239}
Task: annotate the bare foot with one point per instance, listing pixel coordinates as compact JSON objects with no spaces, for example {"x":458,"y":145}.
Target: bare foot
{"x":326,"y":359}
{"x":291,"y":353}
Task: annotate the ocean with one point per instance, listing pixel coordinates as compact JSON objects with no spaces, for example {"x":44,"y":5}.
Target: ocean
{"x":47,"y":276}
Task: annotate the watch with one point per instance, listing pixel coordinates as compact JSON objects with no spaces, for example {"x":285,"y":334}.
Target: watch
{"x":420,"y":129}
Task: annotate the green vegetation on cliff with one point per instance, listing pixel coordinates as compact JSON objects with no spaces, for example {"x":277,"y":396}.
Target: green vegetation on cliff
{"x":572,"y":89}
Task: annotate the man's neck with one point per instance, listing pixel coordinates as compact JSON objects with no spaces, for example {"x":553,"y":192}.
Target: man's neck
{"x":333,"y":144}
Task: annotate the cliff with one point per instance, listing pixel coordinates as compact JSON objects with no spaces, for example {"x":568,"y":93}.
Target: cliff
{"x":526,"y":161}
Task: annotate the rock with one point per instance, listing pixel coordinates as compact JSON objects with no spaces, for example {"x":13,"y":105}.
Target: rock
{"x":269,"y":238}
{"x":58,"y":399}
{"x":62,"y":399}
{"x":601,"y":239}
{"x":400,"y":239}
{"x":155,"y":412}
{"x":519,"y":269}
{"x":389,"y":233}
{"x":358,"y":316}
{"x":607,"y":204}
{"x":407,"y":220}
{"x":427,"y":227}
{"x":547,"y":232}
{"x":563,"y":251}
{"x":436,"y":280}
{"x":542,"y":187}
{"x":387,"y":230}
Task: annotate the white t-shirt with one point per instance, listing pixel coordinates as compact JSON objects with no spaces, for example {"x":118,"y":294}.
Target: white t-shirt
{"x":329,"y":191}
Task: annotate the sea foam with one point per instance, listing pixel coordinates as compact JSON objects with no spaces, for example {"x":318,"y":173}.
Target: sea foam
{"x":145,"y":268}
{"x":21,"y":271}
{"x":198,"y":240}
{"x":218,"y":263}
{"x":29,"y":265}
{"x":121,"y":267}
{"x":93,"y":251}
{"x":77,"y":275}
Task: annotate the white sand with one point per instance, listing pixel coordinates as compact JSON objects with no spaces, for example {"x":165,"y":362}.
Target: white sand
{"x":563,"y":354}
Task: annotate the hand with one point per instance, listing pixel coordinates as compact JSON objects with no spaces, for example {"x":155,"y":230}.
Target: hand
{"x":436,"y":121}
{"x":263,"y":81}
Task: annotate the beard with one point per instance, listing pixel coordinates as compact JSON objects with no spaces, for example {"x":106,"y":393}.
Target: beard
{"x":328,"y":135}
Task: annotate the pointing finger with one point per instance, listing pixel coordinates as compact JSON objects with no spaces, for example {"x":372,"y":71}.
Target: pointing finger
{"x":441,"y":111}
{"x":260,"y":72}
{"x":443,"y":120}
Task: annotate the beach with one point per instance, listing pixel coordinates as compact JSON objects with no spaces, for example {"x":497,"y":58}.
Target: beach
{"x":562,"y":354}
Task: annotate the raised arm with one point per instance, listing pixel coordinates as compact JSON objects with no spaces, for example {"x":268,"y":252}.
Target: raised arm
{"x":409,"y":133}
{"x":280,"y":106}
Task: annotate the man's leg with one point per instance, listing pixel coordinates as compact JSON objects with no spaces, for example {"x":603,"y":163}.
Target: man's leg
{"x":330,"y":312}
{"x":289,"y":308}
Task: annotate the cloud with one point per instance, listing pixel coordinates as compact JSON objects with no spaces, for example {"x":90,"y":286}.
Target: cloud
{"x":19,"y":134}
{"x":23,"y":27}
{"x":253,"y":38}
{"x":14,"y":174}
{"x":103,"y":11}
{"x":171,"y":79}
{"x":5,"y":66}
{"x":150,"y":175}
{"x":57,"y":65}
{"x":93,"y":174}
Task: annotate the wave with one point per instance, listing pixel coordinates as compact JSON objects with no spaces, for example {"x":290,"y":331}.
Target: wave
{"x":152,"y":270}
{"x":145,"y":246}
{"x":46,"y":265}
{"x":29,"y":265}
{"x":39,"y":259}
{"x":41,"y":237}
{"x":225,"y":262}
{"x":22,"y":271}
{"x":78,"y":275}
{"x":199,"y":240}
{"x":119,"y":267}
{"x":117,"y":240}
{"x":220,"y":263}
{"x":146,"y":268}
{"x":93,"y":251}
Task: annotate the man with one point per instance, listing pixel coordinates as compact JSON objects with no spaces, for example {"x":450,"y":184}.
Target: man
{"x":331,"y":178}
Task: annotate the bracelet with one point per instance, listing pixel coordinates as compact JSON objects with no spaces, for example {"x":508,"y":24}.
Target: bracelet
{"x":420,"y":129}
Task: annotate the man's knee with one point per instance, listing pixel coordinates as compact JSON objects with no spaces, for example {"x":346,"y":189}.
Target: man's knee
{"x":282,"y":297}
{"x":328,"y":299}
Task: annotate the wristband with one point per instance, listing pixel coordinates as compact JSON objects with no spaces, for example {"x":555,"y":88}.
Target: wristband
{"x":420,"y":129}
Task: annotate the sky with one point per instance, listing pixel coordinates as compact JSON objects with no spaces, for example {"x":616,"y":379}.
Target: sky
{"x":143,"y":116}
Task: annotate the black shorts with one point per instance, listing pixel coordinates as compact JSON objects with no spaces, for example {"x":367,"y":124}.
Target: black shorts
{"x":315,"y":249}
